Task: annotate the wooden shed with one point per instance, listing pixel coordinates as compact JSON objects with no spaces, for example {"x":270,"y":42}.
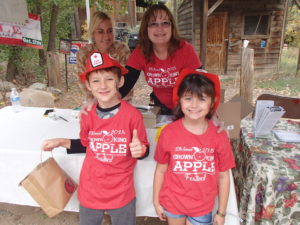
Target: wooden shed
{"x":225,"y":24}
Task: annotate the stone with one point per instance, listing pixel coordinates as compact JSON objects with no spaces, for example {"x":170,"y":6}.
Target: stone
{"x":6,"y":86}
{"x":36,"y":98}
{"x":38,"y":86}
{"x":7,"y":95}
{"x":54,"y":91}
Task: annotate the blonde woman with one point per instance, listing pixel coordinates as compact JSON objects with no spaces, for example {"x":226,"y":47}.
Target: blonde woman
{"x":102,"y":35}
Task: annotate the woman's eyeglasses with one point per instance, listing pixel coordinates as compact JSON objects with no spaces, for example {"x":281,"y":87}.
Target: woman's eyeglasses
{"x":165,"y":24}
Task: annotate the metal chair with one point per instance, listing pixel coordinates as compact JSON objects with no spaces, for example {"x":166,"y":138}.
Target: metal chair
{"x":291,"y":105}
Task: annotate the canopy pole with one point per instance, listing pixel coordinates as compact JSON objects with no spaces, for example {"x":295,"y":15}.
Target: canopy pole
{"x":87,"y":8}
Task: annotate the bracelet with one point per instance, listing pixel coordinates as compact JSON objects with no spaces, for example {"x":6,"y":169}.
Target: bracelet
{"x":221,"y":214}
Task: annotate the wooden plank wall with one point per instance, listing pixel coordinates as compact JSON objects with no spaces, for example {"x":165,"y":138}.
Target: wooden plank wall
{"x":185,"y":20}
{"x":265,"y":59}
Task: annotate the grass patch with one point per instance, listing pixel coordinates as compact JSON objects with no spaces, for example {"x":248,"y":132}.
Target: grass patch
{"x":288,"y":63}
{"x":286,"y":79}
{"x":282,"y":83}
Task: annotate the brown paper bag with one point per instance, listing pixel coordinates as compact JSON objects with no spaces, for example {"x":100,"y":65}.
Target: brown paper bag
{"x":49,"y":186}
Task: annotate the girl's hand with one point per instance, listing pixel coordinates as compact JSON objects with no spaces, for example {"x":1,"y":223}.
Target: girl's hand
{"x":218,"y":220}
{"x":136,"y":147}
{"x":50,"y":144}
{"x":160,"y":212}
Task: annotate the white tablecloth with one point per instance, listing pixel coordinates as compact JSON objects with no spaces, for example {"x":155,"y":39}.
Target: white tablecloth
{"x":21,"y":135}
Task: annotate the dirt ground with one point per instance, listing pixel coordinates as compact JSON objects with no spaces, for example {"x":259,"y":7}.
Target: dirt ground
{"x":11,"y":214}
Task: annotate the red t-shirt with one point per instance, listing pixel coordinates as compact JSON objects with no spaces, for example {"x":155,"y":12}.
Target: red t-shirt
{"x":162,"y":74}
{"x":106,"y":178}
{"x":194,"y":161}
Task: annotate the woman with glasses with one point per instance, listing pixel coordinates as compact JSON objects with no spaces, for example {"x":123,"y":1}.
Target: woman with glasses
{"x":161,"y":55}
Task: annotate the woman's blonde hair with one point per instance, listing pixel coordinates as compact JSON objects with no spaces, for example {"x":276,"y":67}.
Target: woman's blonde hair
{"x":145,"y":44}
{"x":97,"y":18}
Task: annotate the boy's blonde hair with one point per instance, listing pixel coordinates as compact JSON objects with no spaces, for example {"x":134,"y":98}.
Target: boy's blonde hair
{"x":97,"y":18}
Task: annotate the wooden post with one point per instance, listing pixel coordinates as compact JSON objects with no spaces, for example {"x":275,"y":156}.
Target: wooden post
{"x":298,"y":64}
{"x":247,"y":74}
{"x":66,"y":71}
{"x":132,"y":13}
{"x":204,"y":33}
{"x":286,"y":7}
{"x":53,"y":70}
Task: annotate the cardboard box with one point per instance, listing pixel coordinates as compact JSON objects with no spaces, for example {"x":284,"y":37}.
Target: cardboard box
{"x":232,"y":112}
{"x":222,"y":97}
{"x":149,"y":114}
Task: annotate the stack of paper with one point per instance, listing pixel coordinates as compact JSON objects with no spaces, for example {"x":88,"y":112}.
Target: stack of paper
{"x":287,"y":136}
{"x":266,"y":116}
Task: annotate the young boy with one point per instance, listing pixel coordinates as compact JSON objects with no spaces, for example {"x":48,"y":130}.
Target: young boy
{"x":114,"y":136}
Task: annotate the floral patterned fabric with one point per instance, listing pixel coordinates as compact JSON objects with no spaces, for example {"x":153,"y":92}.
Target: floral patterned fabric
{"x":267,"y":176}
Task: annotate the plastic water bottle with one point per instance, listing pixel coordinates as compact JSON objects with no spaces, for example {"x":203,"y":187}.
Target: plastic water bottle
{"x":15,"y":100}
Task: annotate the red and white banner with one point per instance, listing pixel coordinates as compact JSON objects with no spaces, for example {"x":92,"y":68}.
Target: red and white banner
{"x":28,"y":35}
{"x":76,"y":45}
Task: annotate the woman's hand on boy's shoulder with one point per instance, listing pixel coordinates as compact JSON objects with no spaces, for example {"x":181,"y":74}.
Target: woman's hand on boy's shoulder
{"x":219,"y":124}
{"x":87,"y":106}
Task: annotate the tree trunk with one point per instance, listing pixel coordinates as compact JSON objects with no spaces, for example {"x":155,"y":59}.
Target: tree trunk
{"x":53,"y":71}
{"x":297,"y":2}
{"x":77,"y":24}
{"x":52,"y":32}
{"x":14,"y":58}
{"x":42,"y":53}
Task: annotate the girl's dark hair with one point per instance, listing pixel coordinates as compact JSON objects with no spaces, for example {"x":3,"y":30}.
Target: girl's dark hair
{"x":145,"y":44}
{"x":195,"y":84}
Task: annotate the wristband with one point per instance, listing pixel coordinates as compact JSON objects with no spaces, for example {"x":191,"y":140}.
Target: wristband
{"x":221,"y":214}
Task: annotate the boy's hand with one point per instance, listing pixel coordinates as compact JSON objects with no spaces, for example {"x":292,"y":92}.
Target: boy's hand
{"x":160,"y":212}
{"x":50,"y":144}
{"x":136,"y":147}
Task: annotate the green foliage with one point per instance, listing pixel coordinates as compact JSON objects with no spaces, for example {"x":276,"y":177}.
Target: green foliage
{"x":288,"y":83}
{"x":29,"y":64}
{"x":66,"y":11}
{"x":292,"y":35}
{"x":287,"y":80}
{"x":107,"y":6}
{"x":288,"y":61}
{"x":4,"y":52}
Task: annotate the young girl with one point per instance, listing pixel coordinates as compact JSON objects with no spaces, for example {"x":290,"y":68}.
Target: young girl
{"x":192,"y":158}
